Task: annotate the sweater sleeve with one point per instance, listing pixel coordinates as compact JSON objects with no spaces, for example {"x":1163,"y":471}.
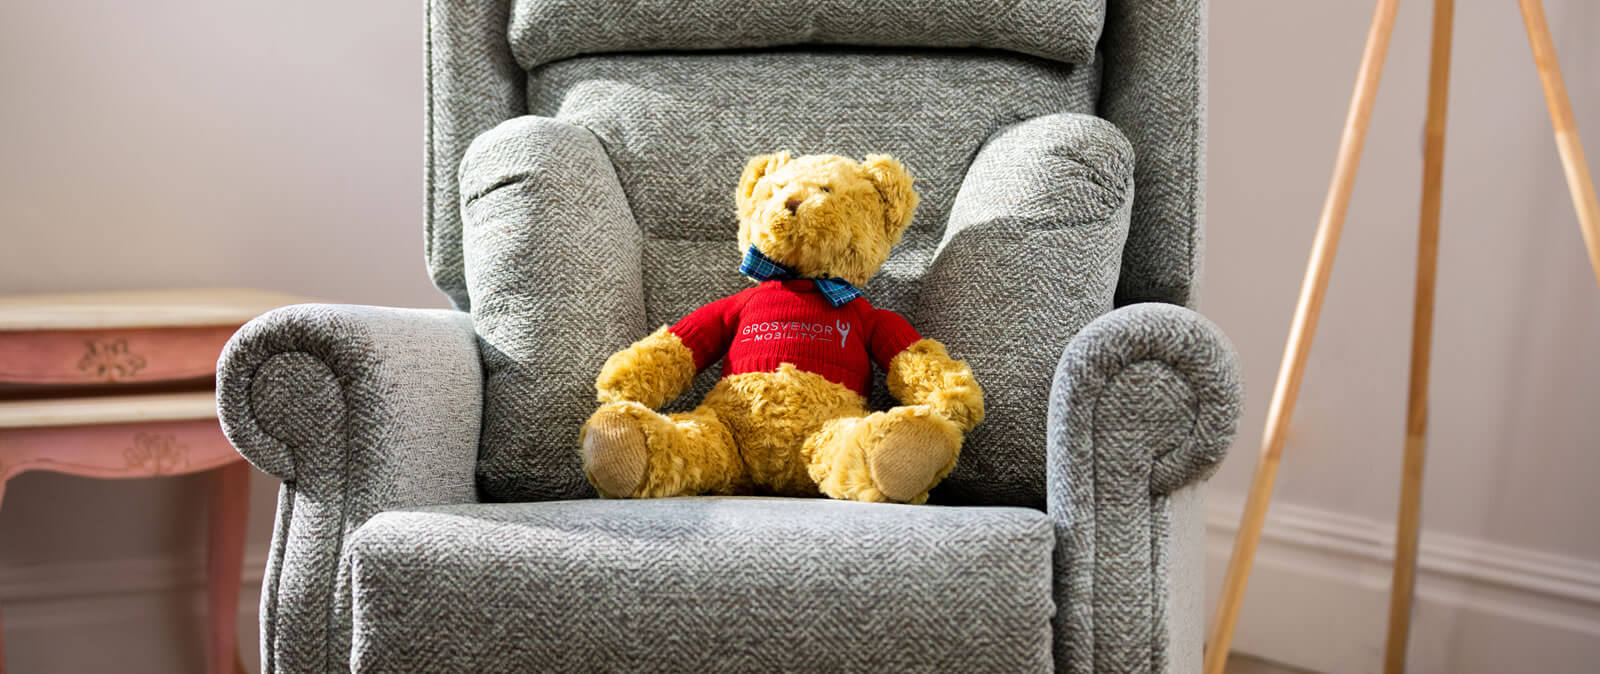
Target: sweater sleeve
{"x":709,"y":330}
{"x":891,"y":334}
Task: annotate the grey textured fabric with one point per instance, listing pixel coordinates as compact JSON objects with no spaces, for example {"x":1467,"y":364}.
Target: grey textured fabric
{"x":358,"y":410}
{"x":553,"y":267}
{"x":548,"y":30}
{"x":1154,"y":58}
{"x":703,"y":584}
{"x":680,"y":127}
{"x":1029,"y":257}
{"x":1145,"y":401}
{"x":1185,"y":578}
{"x":1154,"y":91}
{"x":473,"y":84}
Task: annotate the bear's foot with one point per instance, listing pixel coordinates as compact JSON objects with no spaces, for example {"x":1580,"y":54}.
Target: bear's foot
{"x":613,"y":450}
{"x":913,"y":452}
{"x":896,"y":455}
{"x":907,"y":462}
{"x":631,"y":451}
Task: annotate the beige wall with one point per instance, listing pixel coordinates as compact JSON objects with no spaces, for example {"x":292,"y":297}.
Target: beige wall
{"x":169,"y":144}
{"x":1516,"y":375}
{"x":1514,"y":432}
{"x":164,"y":144}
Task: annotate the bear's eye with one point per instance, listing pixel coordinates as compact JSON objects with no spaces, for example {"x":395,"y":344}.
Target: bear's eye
{"x":825,"y":188}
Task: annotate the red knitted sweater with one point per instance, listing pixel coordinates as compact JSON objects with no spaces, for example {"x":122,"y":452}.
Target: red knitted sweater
{"x":791,"y":322}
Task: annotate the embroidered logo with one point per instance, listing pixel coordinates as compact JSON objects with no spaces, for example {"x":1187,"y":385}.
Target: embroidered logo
{"x":785,"y":330}
{"x":844,"y":331}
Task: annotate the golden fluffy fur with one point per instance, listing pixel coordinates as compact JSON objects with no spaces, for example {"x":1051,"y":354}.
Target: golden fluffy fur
{"x":686,"y":453}
{"x":788,"y":431}
{"x":651,"y":372}
{"x":896,"y":455}
{"x":925,"y":374}
{"x":844,"y":217}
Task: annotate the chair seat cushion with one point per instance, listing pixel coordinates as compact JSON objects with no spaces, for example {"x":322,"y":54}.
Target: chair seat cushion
{"x":702,"y":584}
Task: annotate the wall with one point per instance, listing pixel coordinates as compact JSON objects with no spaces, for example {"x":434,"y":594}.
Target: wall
{"x":1510,"y":546}
{"x":168,"y":144}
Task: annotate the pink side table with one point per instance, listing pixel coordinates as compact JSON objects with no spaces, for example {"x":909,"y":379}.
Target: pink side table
{"x":119,"y":385}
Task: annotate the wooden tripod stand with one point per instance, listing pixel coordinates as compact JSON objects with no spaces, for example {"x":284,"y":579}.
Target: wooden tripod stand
{"x":1313,"y":288}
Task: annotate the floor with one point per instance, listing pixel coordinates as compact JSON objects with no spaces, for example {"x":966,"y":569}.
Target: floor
{"x":1244,"y":664}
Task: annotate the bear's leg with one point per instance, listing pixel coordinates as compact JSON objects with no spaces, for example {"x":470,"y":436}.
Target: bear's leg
{"x":896,"y":455}
{"x":630,"y":450}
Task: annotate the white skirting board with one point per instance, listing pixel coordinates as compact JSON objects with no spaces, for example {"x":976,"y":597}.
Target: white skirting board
{"x":1319,"y":597}
{"x":133,"y":616}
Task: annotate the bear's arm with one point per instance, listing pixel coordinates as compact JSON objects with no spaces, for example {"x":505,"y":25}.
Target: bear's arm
{"x":920,"y":372}
{"x":656,"y":369}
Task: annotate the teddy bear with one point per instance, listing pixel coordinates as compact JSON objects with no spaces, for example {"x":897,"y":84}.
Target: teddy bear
{"x":789,"y":415}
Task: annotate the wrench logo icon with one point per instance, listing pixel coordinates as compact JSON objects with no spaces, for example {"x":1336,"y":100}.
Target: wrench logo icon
{"x":844,"y":331}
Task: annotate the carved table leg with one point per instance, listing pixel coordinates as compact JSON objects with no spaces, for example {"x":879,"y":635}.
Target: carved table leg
{"x":229,"y":503}
{"x":3,"y":478}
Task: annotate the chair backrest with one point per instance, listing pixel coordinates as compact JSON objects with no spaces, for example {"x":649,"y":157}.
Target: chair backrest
{"x":680,"y":92}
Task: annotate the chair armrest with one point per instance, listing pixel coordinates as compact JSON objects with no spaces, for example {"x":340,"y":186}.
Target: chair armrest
{"x":1145,"y":400}
{"x":320,"y":394}
{"x":1149,"y":383}
{"x":358,"y":410}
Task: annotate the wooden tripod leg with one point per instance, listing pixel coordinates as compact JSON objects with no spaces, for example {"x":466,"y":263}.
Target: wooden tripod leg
{"x":1567,"y":141}
{"x":1410,"y":518}
{"x":1301,"y":331}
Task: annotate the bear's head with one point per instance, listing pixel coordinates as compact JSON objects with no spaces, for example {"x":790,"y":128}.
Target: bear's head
{"x":825,"y":215}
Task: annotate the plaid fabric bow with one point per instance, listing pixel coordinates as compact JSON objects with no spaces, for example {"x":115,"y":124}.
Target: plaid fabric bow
{"x":763,"y":268}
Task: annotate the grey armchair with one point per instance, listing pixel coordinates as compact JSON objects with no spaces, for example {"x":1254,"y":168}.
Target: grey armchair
{"x":581,"y":158}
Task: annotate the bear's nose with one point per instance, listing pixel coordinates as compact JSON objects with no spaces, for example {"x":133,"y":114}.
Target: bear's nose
{"x":793,"y":202}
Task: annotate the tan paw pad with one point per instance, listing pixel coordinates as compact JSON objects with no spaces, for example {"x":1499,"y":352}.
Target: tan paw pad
{"x":908,"y":460}
{"x":614,"y":455}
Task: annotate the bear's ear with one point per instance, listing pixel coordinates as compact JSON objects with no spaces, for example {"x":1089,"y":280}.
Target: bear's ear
{"x":894,"y":185}
{"x":758,"y":166}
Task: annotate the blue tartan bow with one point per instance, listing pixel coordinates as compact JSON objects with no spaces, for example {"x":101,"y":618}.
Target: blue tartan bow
{"x":763,"y":268}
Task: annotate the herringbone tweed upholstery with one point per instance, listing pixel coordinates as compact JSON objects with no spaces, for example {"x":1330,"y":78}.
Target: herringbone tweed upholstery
{"x":1150,"y":58}
{"x":1056,"y":188}
{"x":1154,"y":91}
{"x":703,"y":585}
{"x":1030,"y":238}
{"x":358,"y":410}
{"x":1145,"y":401}
{"x":548,"y":30}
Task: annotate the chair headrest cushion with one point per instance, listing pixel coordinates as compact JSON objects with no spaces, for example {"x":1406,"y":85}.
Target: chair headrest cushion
{"x":542,"y":31}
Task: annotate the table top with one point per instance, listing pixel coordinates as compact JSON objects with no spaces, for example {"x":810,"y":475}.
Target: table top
{"x":139,"y":309}
{"x":108,"y":409}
